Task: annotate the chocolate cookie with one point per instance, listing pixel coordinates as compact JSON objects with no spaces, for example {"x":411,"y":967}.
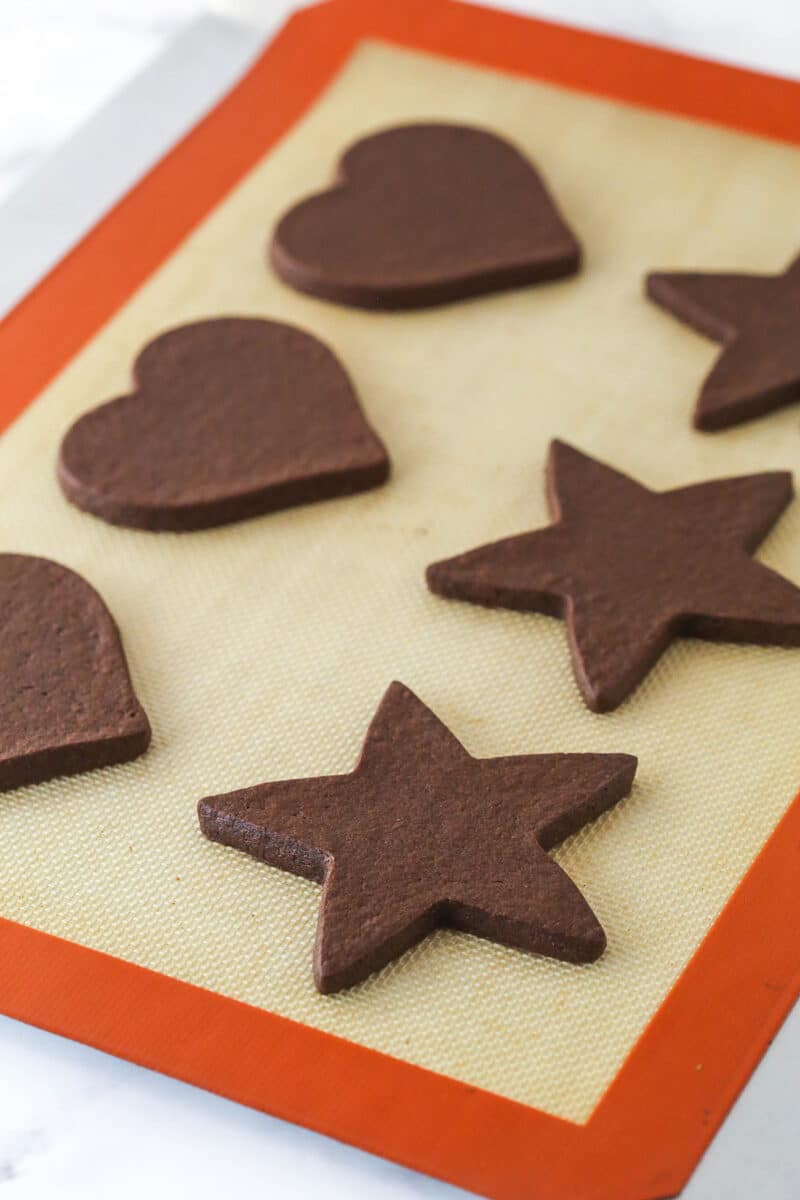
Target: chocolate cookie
{"x":757,"y":319}
{"x":66,"y":700}
{"x":421,"y":834}
{"x":421,"y":215}
{"x":631,"y":569}
{"x":231,"y":418}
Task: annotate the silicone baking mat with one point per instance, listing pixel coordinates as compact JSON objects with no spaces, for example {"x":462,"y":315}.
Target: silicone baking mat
{"x":261,"y":650}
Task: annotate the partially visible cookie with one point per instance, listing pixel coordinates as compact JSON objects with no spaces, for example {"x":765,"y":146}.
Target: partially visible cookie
{"x":230,"y":418}
{"x":757,"y":320}
{"x":423,"y":215}
{"x":631,"y":569}
{"x":66,"y":699}
{"x":422,"y":834}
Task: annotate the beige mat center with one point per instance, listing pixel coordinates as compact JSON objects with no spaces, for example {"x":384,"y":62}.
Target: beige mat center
{"x":261,"y":651}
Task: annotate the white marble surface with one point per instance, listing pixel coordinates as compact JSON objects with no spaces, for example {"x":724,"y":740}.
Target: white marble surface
{"x":75,"y":1123}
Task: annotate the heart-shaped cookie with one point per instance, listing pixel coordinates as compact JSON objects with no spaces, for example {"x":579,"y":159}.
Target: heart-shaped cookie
{"x":66,"y":700}
{"x":422,"y":215}
{"x":230,"y":418}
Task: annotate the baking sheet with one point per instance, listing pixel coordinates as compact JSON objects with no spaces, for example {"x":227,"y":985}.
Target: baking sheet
{"x":261,"y":651}
{"x":64,"y":197}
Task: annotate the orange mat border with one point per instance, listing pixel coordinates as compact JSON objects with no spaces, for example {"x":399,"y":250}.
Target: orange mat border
{"x":651,"y":1126}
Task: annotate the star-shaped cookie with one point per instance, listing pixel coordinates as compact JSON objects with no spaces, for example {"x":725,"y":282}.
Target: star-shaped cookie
{"x":757,"y":319}
{"x":630,"y":569}
{"x":422,"y":834}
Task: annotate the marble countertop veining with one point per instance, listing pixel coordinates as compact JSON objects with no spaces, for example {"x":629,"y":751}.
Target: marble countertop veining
{"x":77,"y":1124}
